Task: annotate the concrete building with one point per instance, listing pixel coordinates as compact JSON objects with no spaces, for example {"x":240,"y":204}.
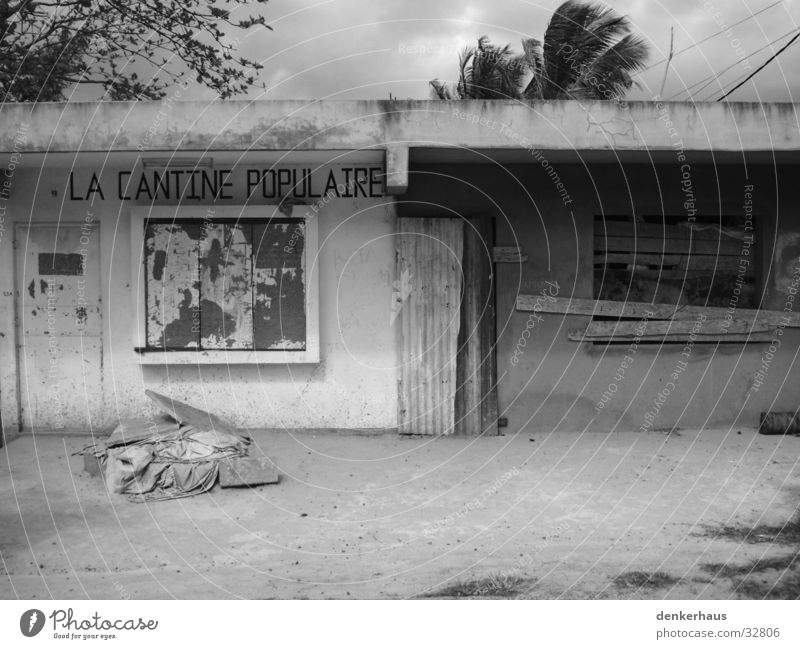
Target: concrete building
{"x":429,"y":267}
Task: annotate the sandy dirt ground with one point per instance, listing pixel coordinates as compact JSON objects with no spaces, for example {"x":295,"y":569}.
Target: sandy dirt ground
{"x":711,"y":514}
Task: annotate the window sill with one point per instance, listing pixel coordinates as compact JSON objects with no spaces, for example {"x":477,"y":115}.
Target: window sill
{"x":226,"y":357}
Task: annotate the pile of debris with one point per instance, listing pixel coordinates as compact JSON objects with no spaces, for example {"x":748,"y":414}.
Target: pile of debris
{"x":178,"y":453}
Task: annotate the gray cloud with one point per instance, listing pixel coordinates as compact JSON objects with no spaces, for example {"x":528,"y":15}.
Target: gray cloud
{"x":358,"y":49}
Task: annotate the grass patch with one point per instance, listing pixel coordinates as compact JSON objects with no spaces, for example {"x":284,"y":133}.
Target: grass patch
{"x":750,"y":581}
{"x":785,"y":562}
{"x":788,"y":534}
{"x":638,"y":579}
{"x":492,"y":586}
{"x":787,"y":587}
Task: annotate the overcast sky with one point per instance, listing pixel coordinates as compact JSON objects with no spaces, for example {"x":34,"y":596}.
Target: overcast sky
{"x":369,"y":48}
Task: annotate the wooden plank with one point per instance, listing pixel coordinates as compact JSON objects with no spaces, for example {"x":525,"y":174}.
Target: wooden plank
{"x":658,"y":231}
{"x":672,"y":246}
{"x":655,"y":273}
{"x":508,"y":255}
{"x":186,"y":414}
{"x":587,"y":306}
{"x":722,"y":263}
{"x":606,"y":328}
{"x":476,"y":369}
{"x":136,"y":429}
{"x":576,"y":335}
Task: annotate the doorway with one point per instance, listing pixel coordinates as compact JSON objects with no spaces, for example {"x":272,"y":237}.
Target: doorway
{"x":59,"y":330}
{"x":448,"y":371}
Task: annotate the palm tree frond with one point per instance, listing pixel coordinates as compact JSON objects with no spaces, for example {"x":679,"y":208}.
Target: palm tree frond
{"x":534,"y":60}
{"x":630,"y":54}
{"x":465,"y":72}
{"x":588,"y":52}
{"x":601,"y":48}
{"x":439,"y":90}
{"x":565,"y":27}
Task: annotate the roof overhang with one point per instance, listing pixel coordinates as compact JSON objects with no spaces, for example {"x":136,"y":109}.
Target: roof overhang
{"x":413,"y":131}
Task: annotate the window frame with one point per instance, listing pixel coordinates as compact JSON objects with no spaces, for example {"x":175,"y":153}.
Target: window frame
{"x":140,"y":215}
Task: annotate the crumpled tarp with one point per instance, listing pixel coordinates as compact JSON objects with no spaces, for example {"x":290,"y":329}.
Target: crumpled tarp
{"x":163,"y":458}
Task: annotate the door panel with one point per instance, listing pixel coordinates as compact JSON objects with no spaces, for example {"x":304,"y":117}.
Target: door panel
{"x":476,"y":396}
{"x":59,"y":326}
{"x":429,"y":266}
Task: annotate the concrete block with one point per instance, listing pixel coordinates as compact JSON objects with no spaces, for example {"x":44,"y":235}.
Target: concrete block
{"x":246,"y":472}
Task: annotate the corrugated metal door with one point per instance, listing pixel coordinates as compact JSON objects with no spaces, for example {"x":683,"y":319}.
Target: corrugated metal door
{"x":429,"y":269}
{"x":59,"y":327}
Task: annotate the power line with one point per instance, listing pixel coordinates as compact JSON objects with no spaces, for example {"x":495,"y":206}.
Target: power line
{"x":764,"y":65}
{"x":669,"y":58}
{"x":746,"y":73}
{"x":722,"y":31}
{"x":707,"y":81}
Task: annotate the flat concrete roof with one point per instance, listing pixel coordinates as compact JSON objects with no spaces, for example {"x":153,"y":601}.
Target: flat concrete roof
{"x":297,"y":125}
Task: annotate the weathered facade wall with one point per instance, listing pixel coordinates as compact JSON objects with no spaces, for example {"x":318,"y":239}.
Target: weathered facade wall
{"x":354,"y":384}
{"x":547,"y":382}
{"x":551,"y":383}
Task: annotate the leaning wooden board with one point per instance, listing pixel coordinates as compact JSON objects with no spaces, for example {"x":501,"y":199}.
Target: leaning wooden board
{"x":605,"y":328}
{"x":610,"y":308}
{"x":186,"y":414}
{"x":576,"y":335}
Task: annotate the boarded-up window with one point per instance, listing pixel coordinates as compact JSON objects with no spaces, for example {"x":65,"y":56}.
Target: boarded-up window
{"x":225,"y":284}
{"x":669,"y":260}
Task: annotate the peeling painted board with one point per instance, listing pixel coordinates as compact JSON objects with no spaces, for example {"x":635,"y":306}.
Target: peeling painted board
{"x":430,"y":252}
{"x":226,"y":293}
{"x":171,"y":272}
{"x":279,"y":289}
{"x":279,"y":244}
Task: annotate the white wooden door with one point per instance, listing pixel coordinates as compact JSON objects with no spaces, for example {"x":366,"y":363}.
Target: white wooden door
{"x":59,"y":327}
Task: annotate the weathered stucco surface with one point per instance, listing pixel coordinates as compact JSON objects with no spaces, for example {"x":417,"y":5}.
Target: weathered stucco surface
{"x":346,"y":125}
{"x":355,"y":383}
